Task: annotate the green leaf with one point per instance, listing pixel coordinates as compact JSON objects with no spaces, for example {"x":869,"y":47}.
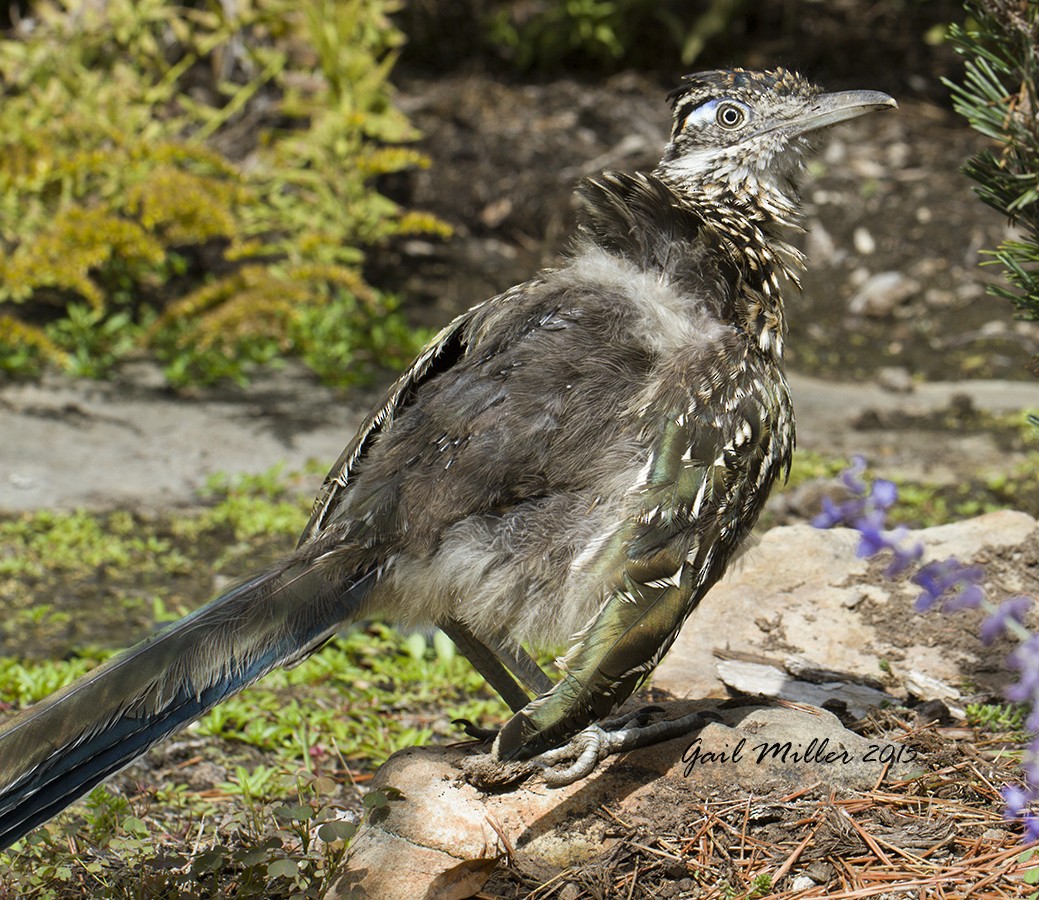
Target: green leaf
{"x":336,"y":831}
{"x":374,"y":800}
{"x":209,"y":862}
{"x":283,"y":868}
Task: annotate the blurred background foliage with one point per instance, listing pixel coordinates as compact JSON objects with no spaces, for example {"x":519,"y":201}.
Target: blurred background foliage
{"x":197,"y":181}
{"x":540,"y":35}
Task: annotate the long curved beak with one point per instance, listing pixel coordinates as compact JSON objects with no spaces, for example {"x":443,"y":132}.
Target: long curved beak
{"x":828,"y":109}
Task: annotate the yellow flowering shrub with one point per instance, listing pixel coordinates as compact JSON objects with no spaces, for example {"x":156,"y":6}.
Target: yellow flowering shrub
{"x":199,"y":186}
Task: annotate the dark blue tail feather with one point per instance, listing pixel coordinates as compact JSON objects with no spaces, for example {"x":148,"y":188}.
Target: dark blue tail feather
{"x":54,"y":753}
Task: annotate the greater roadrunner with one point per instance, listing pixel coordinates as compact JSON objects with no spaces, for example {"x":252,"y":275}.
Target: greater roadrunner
{"x":577,"y":458}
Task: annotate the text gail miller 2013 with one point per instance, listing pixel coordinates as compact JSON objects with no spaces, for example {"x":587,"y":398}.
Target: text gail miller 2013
{"x":817,"y":752}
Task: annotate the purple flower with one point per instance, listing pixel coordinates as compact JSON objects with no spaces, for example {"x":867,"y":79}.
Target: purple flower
{"x":1012,"y":610}
{"x":872,"y":537}
{"x":903,"y":558}
{"x":1019,"y":801}
{"x":954,"y":586}
{"x":960,"y":585}
{"x":884,"y":493}
{"x":1025,"y":659}
{"x":966,"y":595}
{"x":834,"y":514}
{"x":850,"y":476}
{"x":1031,"y":770}
{"x":931,"y":577}
{"x":866,"y":512}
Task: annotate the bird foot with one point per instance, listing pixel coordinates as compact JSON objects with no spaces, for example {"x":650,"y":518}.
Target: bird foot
{"x":580,"y":756}
{"x":485,"y":772}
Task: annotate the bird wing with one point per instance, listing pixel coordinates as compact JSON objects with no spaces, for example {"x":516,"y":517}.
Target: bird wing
{"x":703,"y":486}
{"x":446,"y":348}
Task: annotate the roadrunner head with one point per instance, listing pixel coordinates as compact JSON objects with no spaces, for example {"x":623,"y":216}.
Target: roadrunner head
{"x":742,"y":137}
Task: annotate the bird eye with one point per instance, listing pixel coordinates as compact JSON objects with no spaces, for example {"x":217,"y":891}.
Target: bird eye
{"x":729,"y":115}
{"x":726,"y":113}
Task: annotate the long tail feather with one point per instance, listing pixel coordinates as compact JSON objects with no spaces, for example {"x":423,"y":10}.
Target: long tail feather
{"x":54,"y":752}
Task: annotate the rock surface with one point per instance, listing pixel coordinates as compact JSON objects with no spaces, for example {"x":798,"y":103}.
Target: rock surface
{"x":800,"y":597}
{"x":801,"y":593}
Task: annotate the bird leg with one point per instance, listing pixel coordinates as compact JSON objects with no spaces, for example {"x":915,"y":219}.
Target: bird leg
{"x":488,"y":663}
{"x":501,"y":666}
{"x":494,"y":662}
{"x":524,"y":667}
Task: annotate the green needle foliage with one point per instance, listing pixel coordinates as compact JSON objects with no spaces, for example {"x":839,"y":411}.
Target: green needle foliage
{"x":195,"y":181}
{"x":999,"y":97}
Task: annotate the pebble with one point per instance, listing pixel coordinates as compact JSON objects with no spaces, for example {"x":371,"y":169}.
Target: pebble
{"x":937,"y":298}
{"x":896,"y":379}
{"x":821,"y":872}
{"x":899,"y":154}
{"x":863,"y":241}
{"x":868,"y":168}
{"x":881,"y":294}
{"x":419,"y":248}
{"x":873,"y":593}
{"x":835,"y":153}
{"x":820,"y":245}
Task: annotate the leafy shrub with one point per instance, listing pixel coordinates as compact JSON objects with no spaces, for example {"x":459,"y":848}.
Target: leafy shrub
{"x":176,"y":179}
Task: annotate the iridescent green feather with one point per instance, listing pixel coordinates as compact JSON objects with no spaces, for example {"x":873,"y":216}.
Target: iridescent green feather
{"x":649,"y":592}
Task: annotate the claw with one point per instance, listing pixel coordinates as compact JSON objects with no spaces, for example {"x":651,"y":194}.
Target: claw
{"x":475,"y":731}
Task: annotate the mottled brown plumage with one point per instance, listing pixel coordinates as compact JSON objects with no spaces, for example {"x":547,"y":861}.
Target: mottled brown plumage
{"x":577,"y":458}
